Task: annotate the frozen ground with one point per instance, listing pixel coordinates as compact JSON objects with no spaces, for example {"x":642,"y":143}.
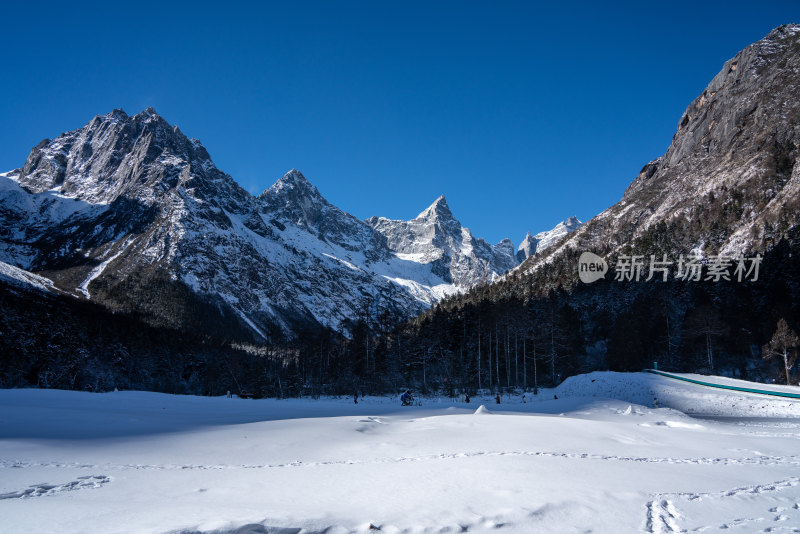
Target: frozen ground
{"x":146,"y":462}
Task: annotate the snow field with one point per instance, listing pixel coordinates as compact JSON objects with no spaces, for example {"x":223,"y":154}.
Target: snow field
{"x":148,"y":462}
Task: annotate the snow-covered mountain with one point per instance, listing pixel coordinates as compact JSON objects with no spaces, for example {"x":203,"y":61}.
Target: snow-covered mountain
{"x":436,"y":238}
{"x":127,"y":209}
{"x":543,"y":240}
{"x":129,"y":212}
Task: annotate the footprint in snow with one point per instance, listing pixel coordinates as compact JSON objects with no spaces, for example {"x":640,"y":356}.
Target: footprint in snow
{"x":41,"y":490}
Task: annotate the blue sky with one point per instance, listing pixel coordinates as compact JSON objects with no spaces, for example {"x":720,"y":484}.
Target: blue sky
{"x":521,"y":113}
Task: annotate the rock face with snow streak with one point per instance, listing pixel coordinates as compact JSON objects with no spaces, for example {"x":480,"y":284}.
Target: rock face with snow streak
{"x":543,"y":240}
{"x":437,"y":238}
{"x":130,"y":213}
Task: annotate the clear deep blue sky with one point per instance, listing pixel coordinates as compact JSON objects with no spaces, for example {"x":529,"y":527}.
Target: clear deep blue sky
{"x":521,"y":114}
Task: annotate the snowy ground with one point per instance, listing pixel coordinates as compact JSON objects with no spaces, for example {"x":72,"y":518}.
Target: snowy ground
{"x":146,"y":462}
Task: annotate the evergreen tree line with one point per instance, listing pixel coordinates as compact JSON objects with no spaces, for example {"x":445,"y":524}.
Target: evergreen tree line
{"x":565,"y":327}
{"x":523,"y":333}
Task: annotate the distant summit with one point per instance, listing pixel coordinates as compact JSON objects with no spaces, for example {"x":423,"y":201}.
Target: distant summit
{"x":543,"y":240}
{"x":439,"y":209}
{"x":436,"y":238}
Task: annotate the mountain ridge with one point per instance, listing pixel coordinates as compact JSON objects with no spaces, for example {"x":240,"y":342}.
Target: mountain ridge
{"x":128,"y":201}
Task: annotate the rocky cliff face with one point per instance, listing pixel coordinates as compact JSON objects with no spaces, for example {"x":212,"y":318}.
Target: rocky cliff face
{"x":729,"y":182}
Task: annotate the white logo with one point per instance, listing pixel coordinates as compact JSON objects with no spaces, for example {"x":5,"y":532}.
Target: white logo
{"x":591,"y":267}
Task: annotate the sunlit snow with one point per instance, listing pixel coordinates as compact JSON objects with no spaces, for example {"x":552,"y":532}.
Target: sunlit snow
{"x":148,"y":462}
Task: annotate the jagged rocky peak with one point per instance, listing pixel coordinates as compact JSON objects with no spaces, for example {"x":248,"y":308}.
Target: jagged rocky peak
{"x":115,"y":154}
{"x":293,"y":182}
{"x":527,"y":247}
{"x":295,"y":198}
{"x":550,"y":237}
{"x":506,"y":247}
{"x":150,"y":114}
{"x":435,"y":237}
{"x":438,"y":210}
{"x":169,"y":138}
{"x":116,"y":113}
{"x":570,"y":225}
{"x":438,"y":219}
{"x":295,"y":201}
{"x":543,"y":240}
{"x":433,"y":232}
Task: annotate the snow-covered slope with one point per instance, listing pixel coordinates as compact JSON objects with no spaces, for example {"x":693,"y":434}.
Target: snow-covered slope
{"x":22,"y":278}
{"x":653,"y":390}
{"x":153,"y":463}
{"x":543,"y":240}
{"x":26,"y":217}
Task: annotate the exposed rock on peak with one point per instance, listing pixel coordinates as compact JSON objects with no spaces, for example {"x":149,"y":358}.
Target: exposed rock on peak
{"x":527,"y":247}
{"x":116,"y":155}
{"x":728,"y":183}
{"x":149,"y":113}
{"x":294,"y":200}
{"x":505,"y":247}
{"x":437,"y":238}
{"x":293,"y":184}
{"x":536,"y":244}
{"x":295,"y":176}
{"x":439,"y":209}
